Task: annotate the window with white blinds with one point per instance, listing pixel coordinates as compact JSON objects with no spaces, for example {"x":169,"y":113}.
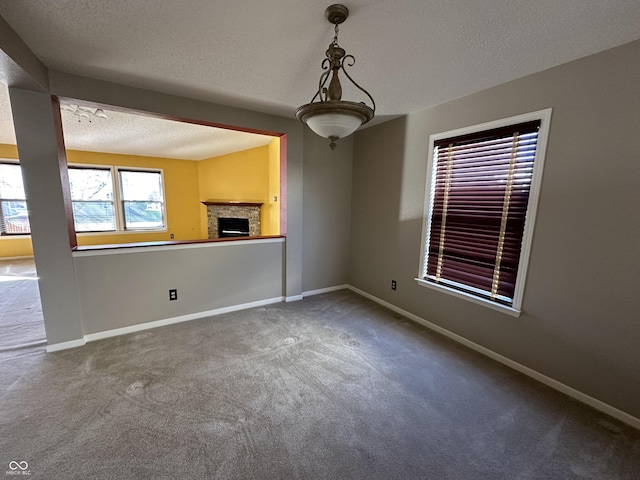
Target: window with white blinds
{"x":479,"y":210}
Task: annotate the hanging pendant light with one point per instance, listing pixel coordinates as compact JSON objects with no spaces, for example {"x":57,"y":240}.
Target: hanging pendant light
{"x":328,"y":115}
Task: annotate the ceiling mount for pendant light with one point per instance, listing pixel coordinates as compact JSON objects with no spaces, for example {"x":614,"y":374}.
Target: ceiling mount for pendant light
{"x":328,"y":115}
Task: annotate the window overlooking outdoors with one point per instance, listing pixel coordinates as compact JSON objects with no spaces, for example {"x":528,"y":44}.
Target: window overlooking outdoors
{"x":94,"y":196}
{"x":14,"y":218}
{"x":142,"y":199}
{"x":92,"y":199}
{"x":479,"y":219}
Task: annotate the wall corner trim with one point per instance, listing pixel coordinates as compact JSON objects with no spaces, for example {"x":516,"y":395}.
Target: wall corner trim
{"x":548,"y":381}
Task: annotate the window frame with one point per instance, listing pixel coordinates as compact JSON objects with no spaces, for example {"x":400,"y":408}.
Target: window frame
{"x":77,"y":166}
{"x":118,"y":202}
{"x":544,"y":116}
{"x":121,"y":200}
{"x":3,"y":234}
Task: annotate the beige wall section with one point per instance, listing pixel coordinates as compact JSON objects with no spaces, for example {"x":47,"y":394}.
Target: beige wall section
{"x":132,"y":287}
{"x":327,"y":211}
{"x":580,"y":323}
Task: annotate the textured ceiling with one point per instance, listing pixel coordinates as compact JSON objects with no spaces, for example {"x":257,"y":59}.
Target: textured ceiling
{"x":133,"y":134}
{"x":265,"y":55}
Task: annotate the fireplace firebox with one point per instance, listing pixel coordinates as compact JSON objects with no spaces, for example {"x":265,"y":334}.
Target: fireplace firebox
{"x":233,"y":227}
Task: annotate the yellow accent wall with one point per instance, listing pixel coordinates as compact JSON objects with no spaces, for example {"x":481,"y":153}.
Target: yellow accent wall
{"x":181,"y":197}
{"x":8,"y":151}
{"x":251,"y":175}
{"x":248,"y":176}
{"x":181,"y":200}
{"x":19,"y":246}
{"x":274,"y":187}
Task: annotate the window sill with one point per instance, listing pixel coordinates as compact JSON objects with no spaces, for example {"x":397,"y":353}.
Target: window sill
{"x":470,"y":298}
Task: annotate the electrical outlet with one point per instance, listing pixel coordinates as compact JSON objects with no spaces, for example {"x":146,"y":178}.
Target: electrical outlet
{"x":393,"y":284}
{"x":173,"y":294}
{"x":171,"y":236}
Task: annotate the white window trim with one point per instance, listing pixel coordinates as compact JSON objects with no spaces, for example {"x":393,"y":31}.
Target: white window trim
{"x":532,"y":207}
{"x":117,"y":199}
{"x":15,"y":236}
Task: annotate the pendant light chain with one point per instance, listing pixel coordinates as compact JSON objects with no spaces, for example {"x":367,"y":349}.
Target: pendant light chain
{"x":335,"y":36}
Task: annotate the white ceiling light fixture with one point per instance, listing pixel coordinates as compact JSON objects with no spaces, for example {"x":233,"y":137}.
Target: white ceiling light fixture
{"x":83,"y":112}
{"x":330,"y":116}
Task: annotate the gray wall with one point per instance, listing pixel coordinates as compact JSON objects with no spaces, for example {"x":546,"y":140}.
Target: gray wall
{"x":128,"y":287}
{"x":20,"y":68}
{"x":581,"y":320}
{"x":60,"y":315}
{"x":116,"y":95}
{"x":326,"y":212}
{"x":34,"y":118}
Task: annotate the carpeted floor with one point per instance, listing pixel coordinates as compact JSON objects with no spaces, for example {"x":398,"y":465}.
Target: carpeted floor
{"x":331,"y":387}
{"x":21,"y":324}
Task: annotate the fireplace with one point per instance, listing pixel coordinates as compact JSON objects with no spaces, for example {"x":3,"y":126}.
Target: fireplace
{"x":233,"y":227}
{"x":245,"y":217}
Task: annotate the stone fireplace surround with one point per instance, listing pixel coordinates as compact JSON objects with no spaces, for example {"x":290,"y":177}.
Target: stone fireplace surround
{"x":231,"y":209}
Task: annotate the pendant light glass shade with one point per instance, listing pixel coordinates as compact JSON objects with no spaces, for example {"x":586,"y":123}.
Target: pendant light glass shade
{"x":338,"y":125}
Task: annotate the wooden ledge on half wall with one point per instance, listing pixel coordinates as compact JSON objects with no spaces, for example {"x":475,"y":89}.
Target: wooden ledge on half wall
{"x":161,"y":243}
{"x":232,"y":203}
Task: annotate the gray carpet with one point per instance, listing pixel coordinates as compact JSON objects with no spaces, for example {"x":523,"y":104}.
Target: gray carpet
{"x":331,"y":387}
{"x":21,"y":323}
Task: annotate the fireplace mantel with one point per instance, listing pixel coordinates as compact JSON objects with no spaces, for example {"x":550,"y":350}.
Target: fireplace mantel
{"x":232,"y":203}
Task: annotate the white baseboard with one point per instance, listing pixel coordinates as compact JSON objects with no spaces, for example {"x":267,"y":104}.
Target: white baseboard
{"x":293,"y":298}
{"x":56,"y":347}
{"x":550,"y":382}
{"x":92,"y":337}
{"x":324,"y":290}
